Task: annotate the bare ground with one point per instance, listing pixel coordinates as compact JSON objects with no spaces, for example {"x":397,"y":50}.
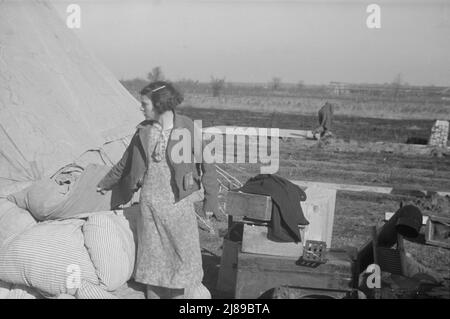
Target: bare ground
{"x":348,"y":159}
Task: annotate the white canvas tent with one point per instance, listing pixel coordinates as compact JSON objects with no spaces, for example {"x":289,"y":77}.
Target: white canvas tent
{"x":56,"y":100}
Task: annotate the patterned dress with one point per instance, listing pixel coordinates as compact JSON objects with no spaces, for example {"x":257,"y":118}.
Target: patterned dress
{"x":168,"y":253}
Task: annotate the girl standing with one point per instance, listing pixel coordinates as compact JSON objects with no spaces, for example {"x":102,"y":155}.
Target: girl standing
{"x":168,"y":254}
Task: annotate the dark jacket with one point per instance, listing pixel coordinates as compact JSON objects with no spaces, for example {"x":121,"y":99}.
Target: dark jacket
{"x":326,"y":116}
{"x":287,"y":213}
{"x":129,"y":172}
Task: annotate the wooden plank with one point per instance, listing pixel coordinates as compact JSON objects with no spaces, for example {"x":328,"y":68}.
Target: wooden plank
{"x":250,"y":205}
{"x":255,"y":241}
{"x":258,"y":131}
{"x":363,"y":188}
{"x":290,"y":292}
{"x":344,"y":187}
{"x":338,"y":261}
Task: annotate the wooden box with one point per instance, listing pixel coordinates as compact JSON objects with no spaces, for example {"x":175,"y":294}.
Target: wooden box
{"x":249,"y":205}
{"x":438,"y":231}
{"x":255,"y":241}
{"x":258,"y":275}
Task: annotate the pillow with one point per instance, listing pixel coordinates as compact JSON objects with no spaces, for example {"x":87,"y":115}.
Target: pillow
{"x":110,"y":244}
{"x":46,"y":200}
{"x":12,"y":188}
{"x":40,"y":199}
{"x":48,"y":257}
{"x":23,"y":292}
{"x":5,"y":289}
{"x":13,"y":221}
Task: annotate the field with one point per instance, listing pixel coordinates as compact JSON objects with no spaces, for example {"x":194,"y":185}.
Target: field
{"x":346,"y":159}
{"x":368,"y":149}
{"x":298,"y":103}
{"x":307,"y":100}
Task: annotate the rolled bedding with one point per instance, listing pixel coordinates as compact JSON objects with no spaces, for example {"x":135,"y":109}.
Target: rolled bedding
{"x":84,"y":258}
{"x":13,"y":221}
{"x":49,"y":257}
{"x":111,"y":247}
{"x":47,"y":199}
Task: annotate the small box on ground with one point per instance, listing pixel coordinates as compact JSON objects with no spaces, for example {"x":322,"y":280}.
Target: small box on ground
{"x":438,"y":231}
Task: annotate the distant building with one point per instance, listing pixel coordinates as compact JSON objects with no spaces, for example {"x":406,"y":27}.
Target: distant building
{"x":339,"y":88}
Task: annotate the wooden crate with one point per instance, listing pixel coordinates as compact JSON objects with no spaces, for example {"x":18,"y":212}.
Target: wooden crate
{"x":437,"y":229}
{"x":259,"y":274}
{"x":255,"y":241}
{"x":253,"y":206}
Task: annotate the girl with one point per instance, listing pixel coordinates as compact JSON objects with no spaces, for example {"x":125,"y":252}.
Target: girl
{"x":168,"y":254}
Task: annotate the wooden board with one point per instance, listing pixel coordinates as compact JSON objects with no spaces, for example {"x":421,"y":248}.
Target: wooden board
{"x":258,"y":131}
{"x":250,"y":205}
{"x":363,"y":188}
{"x":258,"y":274}
{"x":255,"y":241}
{"x":289,"y":292}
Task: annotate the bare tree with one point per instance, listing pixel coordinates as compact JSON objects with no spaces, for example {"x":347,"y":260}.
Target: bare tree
{"x":155,"y":75}
{"x":275,"y":84}
{"x":217,"y":86}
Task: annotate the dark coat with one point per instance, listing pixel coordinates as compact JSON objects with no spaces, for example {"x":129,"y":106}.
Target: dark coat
{"x":326,"y":117}
{"x":128,"y":173}
{"x":287,"y":213}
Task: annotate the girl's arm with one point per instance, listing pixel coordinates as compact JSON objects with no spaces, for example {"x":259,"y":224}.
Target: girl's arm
{"x":115,"y":174}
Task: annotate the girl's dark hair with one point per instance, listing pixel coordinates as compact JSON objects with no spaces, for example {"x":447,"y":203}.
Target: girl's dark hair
{"x":163,"y":95}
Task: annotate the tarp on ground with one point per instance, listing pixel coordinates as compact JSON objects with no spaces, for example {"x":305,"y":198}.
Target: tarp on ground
{"x":56,"y":100}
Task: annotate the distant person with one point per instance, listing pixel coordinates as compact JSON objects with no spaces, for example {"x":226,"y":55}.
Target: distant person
{"x":325,"y":121}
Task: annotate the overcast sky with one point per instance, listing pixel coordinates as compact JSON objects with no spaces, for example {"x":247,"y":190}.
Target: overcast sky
{"x":253,"y":41}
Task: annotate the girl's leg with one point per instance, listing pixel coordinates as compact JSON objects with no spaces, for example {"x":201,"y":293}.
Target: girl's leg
{"x":154,"y":292}
{"x":175,"y":293}
{"x":158,"y":292}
